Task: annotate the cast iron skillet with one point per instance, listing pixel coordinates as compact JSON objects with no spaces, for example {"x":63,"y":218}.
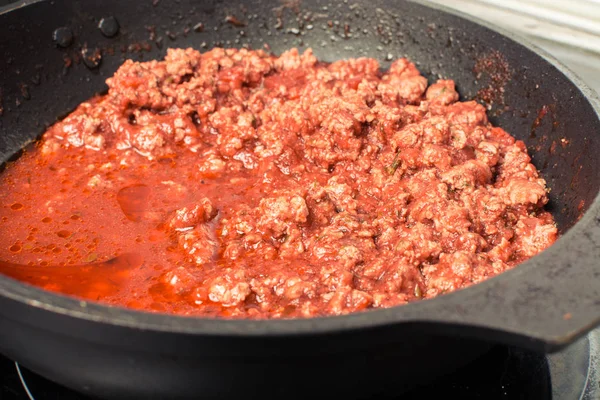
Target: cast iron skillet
{"x":543,"y":305}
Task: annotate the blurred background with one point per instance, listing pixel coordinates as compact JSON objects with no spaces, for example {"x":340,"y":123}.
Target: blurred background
{"x":567,"y":29}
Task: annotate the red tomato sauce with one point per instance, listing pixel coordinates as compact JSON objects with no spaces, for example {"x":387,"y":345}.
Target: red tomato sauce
{"x":235,"y":183}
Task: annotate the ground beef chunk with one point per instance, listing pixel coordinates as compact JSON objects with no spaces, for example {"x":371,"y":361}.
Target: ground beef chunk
{"x":522,"y":191}
{"x":228,"y":290}
{"x":292,"y":59}
{"x":195,"y":234}
{"x":442,"y":92}
{"x":533,"y":235}
{"x":188,"y":217}
{"x":87,"y":127}
{"x":468,"y":175}
{"x":276,"y":187}
{"x":277,"y":213}
{"x":403,"y":83}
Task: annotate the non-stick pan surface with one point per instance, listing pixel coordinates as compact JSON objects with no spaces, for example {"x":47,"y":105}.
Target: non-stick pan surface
{"x":544,"y":304}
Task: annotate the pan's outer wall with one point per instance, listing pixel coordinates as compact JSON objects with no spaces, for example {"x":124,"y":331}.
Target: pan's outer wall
{"x":37,"y":87}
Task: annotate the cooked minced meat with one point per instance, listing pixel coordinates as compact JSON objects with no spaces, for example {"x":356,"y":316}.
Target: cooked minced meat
{"x":256,"y":186}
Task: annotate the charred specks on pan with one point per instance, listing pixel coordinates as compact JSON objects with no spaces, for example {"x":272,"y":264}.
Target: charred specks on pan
{"x":36,"y":79}
{"x":575,"y":179}
{"x":493,"y":68}
{"x":151,"y":32}
{"x":538,"y":120}
{"x":567,"y":316}
{"x":545,"y":146}
{"x":67,"y":62}
{"x":233,"y":20}
{"x":571,"y":193}
{"x":581,"y":208}
{"x":293,"y":5}
{"x":279,"y":24}
{"x":152,"y":36}
{"x":91,"y":57}
{"x":139,"y":47}
{"x":544,"y":110}
{"x":171,"y":35}
{"x":24,"y":88}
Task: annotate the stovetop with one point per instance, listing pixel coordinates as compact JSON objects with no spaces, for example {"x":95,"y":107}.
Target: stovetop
{"x":503,"y":373}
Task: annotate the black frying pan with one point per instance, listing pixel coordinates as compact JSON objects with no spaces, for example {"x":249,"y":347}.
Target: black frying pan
{"x":543,"y":305}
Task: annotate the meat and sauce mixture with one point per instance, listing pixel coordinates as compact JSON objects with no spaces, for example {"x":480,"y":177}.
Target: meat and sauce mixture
{"x":235,"y":183}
